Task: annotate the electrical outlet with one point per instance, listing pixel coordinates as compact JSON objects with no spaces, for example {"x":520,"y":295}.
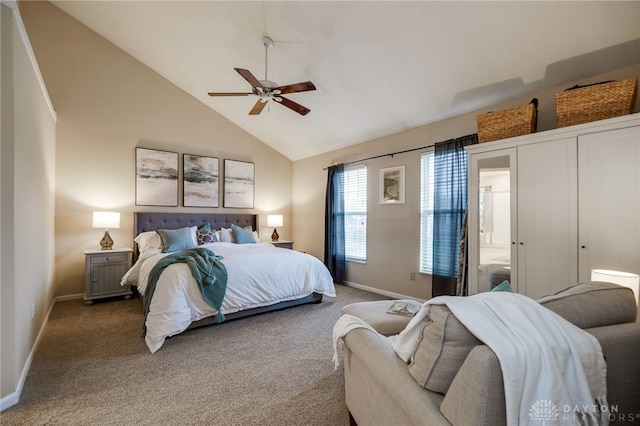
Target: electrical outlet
{"x":33,"y":310}
{"x":412,"y":276}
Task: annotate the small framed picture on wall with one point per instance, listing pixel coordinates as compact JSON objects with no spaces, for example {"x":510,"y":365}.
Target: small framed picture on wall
{"x":392,"y":185}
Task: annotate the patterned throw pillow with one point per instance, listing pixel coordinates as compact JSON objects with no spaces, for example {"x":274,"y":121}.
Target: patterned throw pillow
{"x":206,"y":235}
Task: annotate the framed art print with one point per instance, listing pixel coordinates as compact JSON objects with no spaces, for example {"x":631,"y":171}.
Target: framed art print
{"x":392,"y":185}
{"x":238,"y":184}
{"x":200,"y":183}
{"x":156,"y":178}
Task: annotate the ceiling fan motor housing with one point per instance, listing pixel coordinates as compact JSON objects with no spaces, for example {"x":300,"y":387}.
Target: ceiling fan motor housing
{"x":268,"y":90}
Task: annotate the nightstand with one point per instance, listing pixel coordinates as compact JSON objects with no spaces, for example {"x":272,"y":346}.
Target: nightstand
{"x":104,"y":270}
{"x":283,"y":244}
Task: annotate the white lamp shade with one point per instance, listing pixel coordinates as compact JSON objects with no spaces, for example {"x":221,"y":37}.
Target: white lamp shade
{"x":106,"y":220}
{"x":274,"y":220}
{"x":624,"y":279}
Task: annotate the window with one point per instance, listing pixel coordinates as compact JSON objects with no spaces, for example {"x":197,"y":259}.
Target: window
{"x":426,"y":213}
{"x":355,"y":213}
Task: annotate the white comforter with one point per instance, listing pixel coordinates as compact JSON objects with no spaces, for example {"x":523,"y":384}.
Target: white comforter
{"x":259,"y":275}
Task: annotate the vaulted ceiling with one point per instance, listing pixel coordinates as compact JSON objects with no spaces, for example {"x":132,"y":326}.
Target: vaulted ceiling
{"x":379,"y":67}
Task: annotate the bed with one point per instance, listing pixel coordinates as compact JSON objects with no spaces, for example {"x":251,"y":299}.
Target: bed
{"x":261,"y":277}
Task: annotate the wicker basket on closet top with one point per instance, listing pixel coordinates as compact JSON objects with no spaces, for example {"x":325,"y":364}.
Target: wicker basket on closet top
{"x":596,"y":102}
{"x":508,"y":123}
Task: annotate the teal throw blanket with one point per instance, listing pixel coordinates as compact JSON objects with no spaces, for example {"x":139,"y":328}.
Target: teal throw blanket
{"x":206,"y":268}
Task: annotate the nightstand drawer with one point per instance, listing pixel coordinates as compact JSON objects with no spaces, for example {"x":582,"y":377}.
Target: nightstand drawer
{"x":283,"y":244}
{"x":109,"y":258}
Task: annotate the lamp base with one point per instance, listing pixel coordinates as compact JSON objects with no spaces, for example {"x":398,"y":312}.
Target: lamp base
{"x":106,"y":242}
{"x":275,"y":236}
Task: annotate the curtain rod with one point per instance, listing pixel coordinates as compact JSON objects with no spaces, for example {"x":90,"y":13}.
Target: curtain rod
{"x":391,"y":154}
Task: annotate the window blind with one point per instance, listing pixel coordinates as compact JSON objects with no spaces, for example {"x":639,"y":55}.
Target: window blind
{"x":426,"y":212}
{"x":355,"y":212}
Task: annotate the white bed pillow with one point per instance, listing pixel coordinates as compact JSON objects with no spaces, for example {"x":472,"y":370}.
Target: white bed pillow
{"x":148,"y":241}
{"x":226,"y":236}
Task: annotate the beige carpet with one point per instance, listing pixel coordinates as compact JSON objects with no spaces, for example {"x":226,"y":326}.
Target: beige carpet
{"x":92,"y":368}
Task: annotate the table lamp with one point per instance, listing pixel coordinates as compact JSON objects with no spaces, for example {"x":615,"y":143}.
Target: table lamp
{"x":106,"y":220}
{"x":274,"y":220}
{"x":624,"y":279}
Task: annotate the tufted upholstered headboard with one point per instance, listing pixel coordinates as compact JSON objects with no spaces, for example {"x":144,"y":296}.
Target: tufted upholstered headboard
{"x":147,"y":221}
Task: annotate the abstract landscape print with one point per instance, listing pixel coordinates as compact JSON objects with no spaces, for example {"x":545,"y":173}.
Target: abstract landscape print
{"x":200,"y":181}
{"x":156,"y":178}
{"x":238,"y":184}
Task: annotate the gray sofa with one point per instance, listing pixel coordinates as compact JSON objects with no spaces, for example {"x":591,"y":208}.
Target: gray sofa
{"x":456,"y":380}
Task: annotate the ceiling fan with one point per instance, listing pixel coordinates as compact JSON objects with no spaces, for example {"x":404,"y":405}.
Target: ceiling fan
{"x":268,"y":90}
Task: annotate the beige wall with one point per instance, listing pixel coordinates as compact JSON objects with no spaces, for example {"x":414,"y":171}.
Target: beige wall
{"x":393,"y":244}
{"x":108,"y":103}
{"x":27,"y":199}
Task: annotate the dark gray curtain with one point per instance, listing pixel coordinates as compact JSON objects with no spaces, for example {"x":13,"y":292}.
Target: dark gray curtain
{"x":450,"y":203}
{"x":334,"y":257}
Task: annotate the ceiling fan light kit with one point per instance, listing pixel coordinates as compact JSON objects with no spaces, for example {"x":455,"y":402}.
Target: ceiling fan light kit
{"x":268,"y":90}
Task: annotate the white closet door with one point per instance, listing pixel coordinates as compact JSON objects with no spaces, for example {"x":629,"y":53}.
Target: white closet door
{"x":547,"y":217}
{"x":609,"y":201}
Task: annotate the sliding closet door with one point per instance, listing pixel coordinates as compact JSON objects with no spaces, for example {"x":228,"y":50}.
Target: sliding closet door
{"x":609,"y":201}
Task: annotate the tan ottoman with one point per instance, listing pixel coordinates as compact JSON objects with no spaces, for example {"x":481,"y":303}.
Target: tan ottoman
{"x":375,"y":314}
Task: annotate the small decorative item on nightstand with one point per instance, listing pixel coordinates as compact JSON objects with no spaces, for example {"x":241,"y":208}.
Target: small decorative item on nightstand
{"x":274,"y":220}
{"x":103,"y":273}
{"x":106,"y":220}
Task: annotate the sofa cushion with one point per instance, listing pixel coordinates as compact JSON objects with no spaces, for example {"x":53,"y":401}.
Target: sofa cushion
{"x":593,"y":304}
{"x":375,"y":314}
{"x":476,"y":395}
{"x":444,"y":345}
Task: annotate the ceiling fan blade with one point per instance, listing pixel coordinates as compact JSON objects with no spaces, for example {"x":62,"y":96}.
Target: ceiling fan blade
{"x":229,"y":94}
{"x":296,"y":87}
{"x":246,"y":74}
{"x":294,"y":106}
{"x":258,"y":107}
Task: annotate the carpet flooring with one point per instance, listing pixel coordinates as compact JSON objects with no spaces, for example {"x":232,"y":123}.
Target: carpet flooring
{"x":93,"y":368}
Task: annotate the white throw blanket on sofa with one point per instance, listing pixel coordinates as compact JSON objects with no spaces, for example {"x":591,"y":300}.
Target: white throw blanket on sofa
{"x":550,"y":367}
{"x":344,"y":325}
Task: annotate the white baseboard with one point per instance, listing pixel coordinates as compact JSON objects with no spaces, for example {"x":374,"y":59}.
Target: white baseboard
{"x":13,"y":398}
{"x":382,"y":292}
{"x":69,"y":297}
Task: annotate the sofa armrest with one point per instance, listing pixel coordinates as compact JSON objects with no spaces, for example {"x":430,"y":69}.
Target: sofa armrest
{"x":379,"y":388}
{"x":621,"y":348}
{"x":476,"y":395}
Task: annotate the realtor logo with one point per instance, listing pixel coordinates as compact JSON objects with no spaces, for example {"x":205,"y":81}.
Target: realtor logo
{"x":543,"y":410}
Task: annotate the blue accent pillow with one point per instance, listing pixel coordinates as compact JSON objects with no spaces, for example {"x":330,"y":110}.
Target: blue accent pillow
{"x":503,"y":286}
{"x":176,"y":239}
{"x":242,"y":235}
